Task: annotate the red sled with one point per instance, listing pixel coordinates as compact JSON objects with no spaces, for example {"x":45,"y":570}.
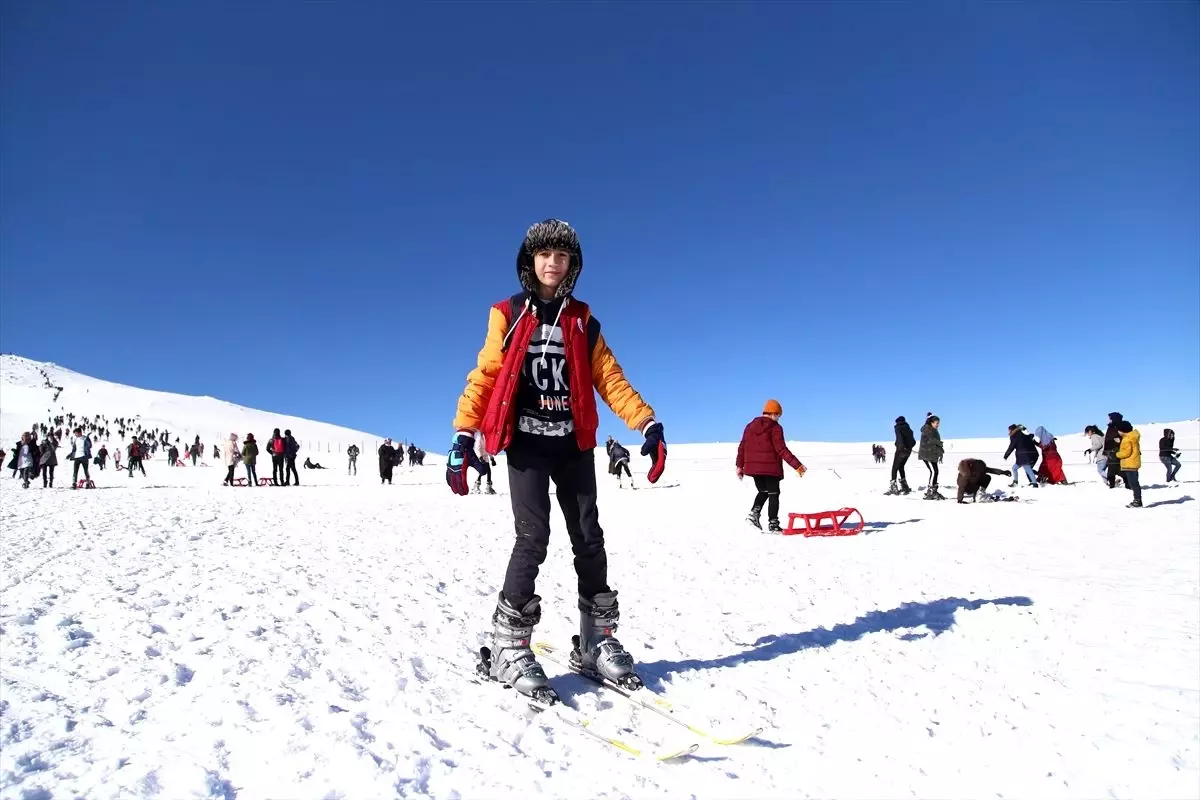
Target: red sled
{"x":85,"y":485}
{"x":264,"y":481}
{"x":826,"y":523}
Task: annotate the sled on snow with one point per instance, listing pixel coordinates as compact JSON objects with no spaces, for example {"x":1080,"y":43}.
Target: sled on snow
{"x":825,"y":523}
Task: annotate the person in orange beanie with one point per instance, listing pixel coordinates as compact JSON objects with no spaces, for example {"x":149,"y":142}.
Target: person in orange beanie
{"x":760,"y":455}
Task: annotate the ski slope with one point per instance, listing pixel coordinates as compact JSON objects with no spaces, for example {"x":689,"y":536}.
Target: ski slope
{"x":164,"y":637}
{"x":28,"y":395}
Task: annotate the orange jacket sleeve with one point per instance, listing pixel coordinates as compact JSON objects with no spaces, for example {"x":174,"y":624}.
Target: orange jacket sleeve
{"x":473,"y":403}
{"x":614,"y":388}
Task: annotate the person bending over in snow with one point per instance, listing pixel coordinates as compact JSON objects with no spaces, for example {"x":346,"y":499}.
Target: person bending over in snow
{"x":1130,"y":454}
{"x":618,"y":461}
{"x":1168,"y":455}
{"x":760,"y":455}
{"x":532,"y":395}
{"x":974,"y":475}
{"x":932,"y":451}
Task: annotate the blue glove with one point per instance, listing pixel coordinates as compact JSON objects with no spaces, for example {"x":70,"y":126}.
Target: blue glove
{"x":656,"y":448}
{"x":461,"y":456}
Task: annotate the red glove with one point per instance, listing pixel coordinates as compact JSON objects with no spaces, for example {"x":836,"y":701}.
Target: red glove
{"x":656,"y":448}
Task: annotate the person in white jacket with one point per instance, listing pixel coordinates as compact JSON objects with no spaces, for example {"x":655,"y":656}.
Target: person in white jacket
{"x":1096,"y":450}
{"x":232,"y":456}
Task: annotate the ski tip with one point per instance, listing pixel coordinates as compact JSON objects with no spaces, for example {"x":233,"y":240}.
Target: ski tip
{"x":672,"y":755}
{"x":739,"y":739}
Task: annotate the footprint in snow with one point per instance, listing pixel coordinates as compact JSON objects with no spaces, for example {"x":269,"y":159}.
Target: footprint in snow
{"x":183,"y":675}
{"x":437,"y":741}
{"x":77,"y":638}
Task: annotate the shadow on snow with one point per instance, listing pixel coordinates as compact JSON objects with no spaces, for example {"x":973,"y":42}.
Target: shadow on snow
{"x":937,"y":617}
{"x":1175,"y":502}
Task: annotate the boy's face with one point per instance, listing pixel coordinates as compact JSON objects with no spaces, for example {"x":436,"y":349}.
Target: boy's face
{"x":551,"y":267}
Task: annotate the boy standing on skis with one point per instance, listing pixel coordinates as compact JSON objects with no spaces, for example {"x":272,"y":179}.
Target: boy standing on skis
{"x":532,"y":395}
{"x":760,"y":455}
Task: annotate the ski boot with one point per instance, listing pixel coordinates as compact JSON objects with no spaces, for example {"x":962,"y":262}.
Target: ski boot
{"x":773,"y":526}
{"x":754,"y":517}
{"x":511,"y":662}
{"x":595,"y":652}
{"x":893,"y":488}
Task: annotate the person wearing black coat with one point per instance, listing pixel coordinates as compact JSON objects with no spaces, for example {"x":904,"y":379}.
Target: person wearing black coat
{"x":905,"y":442}
{"x":48,"y":461}
{"x":1168,"y":455}
{"x":291,"y":448}
{"x":1112,"y":440}
{"x":931,"y":452}
{"x":387,"y":461}
{"x":1025,"y":447}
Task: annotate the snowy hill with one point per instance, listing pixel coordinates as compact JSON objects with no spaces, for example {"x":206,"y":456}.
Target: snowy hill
{"x":32,"y":391}
{"x":164,"y":637}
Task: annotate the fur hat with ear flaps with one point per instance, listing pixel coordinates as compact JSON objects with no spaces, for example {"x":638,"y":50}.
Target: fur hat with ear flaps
{"x":550,"y":234}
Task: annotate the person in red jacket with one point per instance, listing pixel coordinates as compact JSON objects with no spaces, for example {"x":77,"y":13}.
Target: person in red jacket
{"x":760,"y":455}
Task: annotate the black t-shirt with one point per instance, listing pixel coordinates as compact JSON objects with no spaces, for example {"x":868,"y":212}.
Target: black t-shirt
{"x":544,"y":394}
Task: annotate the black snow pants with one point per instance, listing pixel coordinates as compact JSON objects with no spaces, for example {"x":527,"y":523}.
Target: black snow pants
{"x":277,"y":470}
{"x":1114,"y":471}
{"x":79,"y":462}
{"x":768,"y":494}
{"x":291,"y":470}
{"x":932,"y":466}
{"x":574,"y":474}
{"x":48,"y":476}
{"x":898,"y":462}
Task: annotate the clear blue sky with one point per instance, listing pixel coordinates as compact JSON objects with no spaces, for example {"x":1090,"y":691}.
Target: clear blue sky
{"x":987,"y":210}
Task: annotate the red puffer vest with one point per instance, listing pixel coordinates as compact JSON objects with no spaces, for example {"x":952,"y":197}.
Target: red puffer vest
{"x":501,"y":418}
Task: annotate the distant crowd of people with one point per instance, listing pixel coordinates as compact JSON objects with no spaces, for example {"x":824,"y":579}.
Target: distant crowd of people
{"x":36,"y":454}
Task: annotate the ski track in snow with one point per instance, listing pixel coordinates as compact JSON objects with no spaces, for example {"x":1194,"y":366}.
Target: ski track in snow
{"x":166,"y":638}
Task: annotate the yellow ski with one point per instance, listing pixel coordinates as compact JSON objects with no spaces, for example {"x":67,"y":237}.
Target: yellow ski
{"x":645,"y":698}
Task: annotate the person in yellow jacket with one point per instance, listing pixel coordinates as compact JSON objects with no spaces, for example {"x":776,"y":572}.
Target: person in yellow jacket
{"x":532,"y":395}
{"x":1130,"y":454}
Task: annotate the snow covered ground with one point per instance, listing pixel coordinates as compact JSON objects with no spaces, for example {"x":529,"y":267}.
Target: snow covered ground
{"x":164,"y":637}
